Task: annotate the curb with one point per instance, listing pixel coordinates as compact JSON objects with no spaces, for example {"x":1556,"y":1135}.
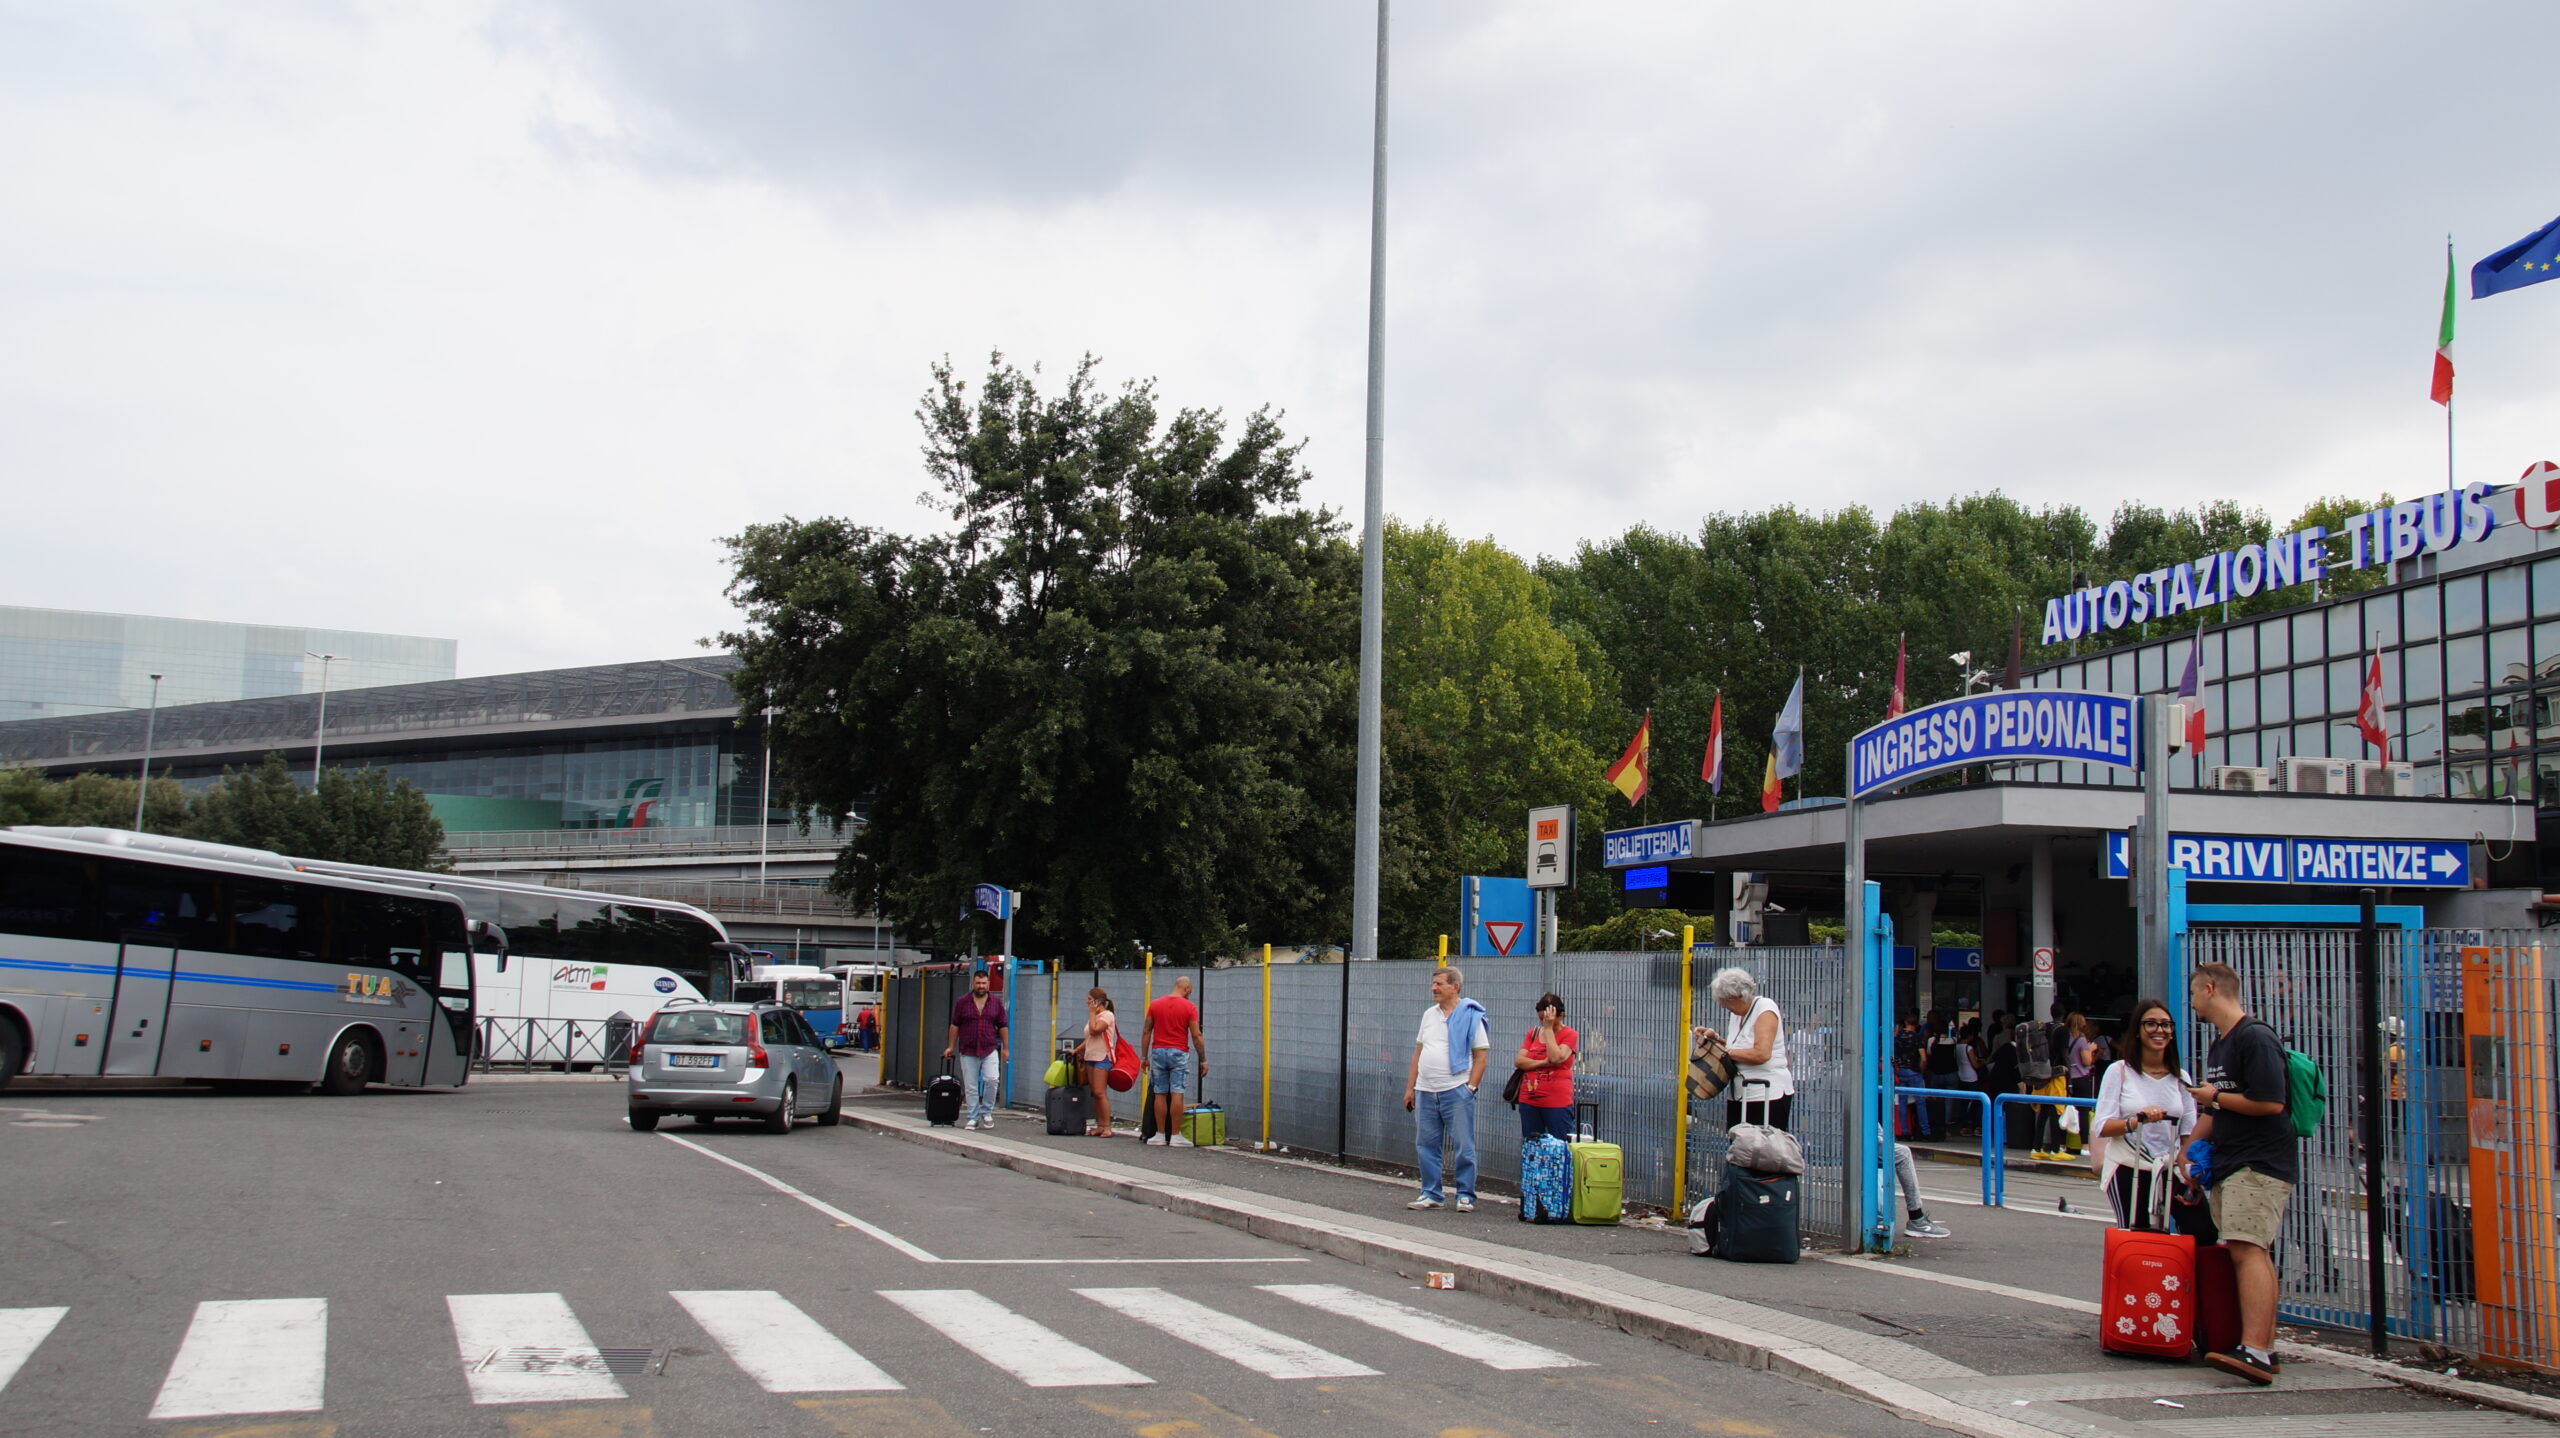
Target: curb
{"x":1563,"y":1288}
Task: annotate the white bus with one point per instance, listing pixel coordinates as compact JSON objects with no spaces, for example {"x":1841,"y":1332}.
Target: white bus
{"x":183,"y":960}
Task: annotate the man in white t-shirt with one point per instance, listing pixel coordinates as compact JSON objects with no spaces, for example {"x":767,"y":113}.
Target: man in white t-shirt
{"x":1442,"y":1100}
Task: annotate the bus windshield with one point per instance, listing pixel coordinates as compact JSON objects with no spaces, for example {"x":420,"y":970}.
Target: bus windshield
{"x":806,"y":994}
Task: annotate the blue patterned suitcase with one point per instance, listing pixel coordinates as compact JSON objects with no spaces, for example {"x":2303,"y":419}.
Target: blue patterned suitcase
{"x":1546,"y":1180}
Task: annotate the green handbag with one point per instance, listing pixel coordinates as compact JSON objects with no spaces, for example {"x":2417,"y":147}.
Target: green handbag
{"x":1060,"y":1074}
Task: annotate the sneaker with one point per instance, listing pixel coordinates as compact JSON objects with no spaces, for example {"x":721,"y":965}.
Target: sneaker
{"x":1466,"y":1205}
{"x":1420,"y":1203}
{"x":2239,"y":1363}
{"x":1178,"y":1141}
{"x":1920,"y":1227}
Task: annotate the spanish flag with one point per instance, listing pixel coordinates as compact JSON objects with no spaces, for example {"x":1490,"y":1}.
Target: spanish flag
{"x":1772,"y":792}
{"x":1632,"y":775}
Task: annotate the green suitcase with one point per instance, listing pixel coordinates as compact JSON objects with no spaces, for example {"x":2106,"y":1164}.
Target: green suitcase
{"x":1205,"y":1125}
{"x":1599,"y":1182}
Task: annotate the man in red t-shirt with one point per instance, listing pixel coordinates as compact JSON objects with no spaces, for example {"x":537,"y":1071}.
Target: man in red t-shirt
{"x":1173,"y":1031}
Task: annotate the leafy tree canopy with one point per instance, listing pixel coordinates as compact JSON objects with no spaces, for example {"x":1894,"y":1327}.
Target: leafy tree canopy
{"x":359,"y":816}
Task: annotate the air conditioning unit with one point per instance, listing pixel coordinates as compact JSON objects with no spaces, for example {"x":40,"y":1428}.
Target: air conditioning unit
{"x":2304,"y":775}
{"x":2240,"y":779}
{"x":2385,"y":779}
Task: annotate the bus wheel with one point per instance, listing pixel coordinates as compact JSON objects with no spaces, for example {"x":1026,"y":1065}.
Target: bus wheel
{"x":352,"y":1065}
{"x":13,"y":1049}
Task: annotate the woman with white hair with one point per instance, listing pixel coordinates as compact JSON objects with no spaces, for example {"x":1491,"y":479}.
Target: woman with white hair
{"x":1756,"y":1037}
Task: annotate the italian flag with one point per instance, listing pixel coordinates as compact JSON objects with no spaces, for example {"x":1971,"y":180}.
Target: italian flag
{"x":2442,"y":391}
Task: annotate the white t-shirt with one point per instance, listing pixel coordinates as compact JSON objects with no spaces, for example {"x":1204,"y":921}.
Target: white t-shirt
{"x":1748,"y":1080}
{"x":1433,"y":1074}
{"x":2126,"y":1091}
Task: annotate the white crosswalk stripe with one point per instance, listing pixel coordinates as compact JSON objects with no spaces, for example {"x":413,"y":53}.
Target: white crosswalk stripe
{"x":1465,"y":1340}
{"x":254,"y":1355}
{"x":22,"y":1330}
{"x":1273,"y":1355}
{"x":781,"y":1347}
{"x":1038,"y":1355}
{"x":487,"y":1327}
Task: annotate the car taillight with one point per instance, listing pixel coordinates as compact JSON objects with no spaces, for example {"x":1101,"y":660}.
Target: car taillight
{"x":755,"y":1053}
{"x":640,"y":1041}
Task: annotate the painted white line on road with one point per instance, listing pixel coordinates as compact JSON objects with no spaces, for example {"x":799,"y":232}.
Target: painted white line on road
{"x":1958,"y":1280}
{"x":1038,"y":1355}
{"x":781,"y":1347}
{"x":22,"y":1330}
{"x":1273,"y":1355}
{"x":1493,"y":1350}
{"x":484,"y":1323}
{"x":257,"y":1355}
{"x":911,"y":1250}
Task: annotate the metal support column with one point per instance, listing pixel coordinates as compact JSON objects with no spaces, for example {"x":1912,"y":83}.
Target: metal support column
{"x":2151,"y":857}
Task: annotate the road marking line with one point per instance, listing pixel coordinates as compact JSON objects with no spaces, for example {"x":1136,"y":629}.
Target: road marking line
{"x":1038,"y":1355}
{"x":487,"y":1322}
{"x":911,"y":1250}
{"x":256,"y":1355}
{"x":1271,"y":1354}
{"x":1958,"y":1280}
{"x":780,"y":1346}
{"x":1493,"y":1350}
{"x":22,"y":1330}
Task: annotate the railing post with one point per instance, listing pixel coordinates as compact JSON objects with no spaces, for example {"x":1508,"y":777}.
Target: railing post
{"x":2369,"y":1079}
{"x":1266,"y":1046}
{"x":1680,"y":1083}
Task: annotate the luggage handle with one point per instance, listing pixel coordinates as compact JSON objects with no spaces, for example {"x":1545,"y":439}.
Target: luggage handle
{"x":1592,"y":1128}
{"x":1768,"y":1105}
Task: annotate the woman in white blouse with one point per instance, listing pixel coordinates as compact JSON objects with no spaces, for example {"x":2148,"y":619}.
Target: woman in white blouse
{"x":2143,"y":1100}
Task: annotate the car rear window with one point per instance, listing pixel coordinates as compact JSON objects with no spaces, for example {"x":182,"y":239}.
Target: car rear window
{"x":700,"y":1028}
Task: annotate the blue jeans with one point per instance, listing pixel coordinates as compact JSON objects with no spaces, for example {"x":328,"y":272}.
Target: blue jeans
{"x":978,"y":1086}
{"x":1448,"y":1116}
{"x":1557,"y":1121}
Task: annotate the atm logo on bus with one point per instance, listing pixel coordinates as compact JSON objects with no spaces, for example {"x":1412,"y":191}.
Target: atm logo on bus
{"x":578,"y":976}
{"x":373,"y":989}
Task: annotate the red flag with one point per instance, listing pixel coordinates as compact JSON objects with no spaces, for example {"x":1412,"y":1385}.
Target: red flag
{"x":1632,"y":775}
{"x":1893,"y":707}
{"x":1711,"y":768}
{"x":2369,"y":712}
{"x":2193,"y":693}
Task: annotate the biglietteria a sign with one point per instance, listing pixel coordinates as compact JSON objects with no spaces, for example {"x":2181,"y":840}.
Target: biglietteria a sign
{"x":2064,"y":724}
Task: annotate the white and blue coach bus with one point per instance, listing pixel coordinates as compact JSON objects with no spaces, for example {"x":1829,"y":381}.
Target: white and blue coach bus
{"x":203,"y":962}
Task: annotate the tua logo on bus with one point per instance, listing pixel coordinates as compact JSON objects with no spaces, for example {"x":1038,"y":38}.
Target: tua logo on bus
{"x":372,"y":989}
{"x":578,"y":976}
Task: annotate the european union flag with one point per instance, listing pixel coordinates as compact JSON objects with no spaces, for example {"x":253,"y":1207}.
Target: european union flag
{"x":2528,"y":261}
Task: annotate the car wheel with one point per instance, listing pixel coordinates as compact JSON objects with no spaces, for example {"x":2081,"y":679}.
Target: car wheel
{"x":779,"y":1121}
{"x":834,"y":1113}
{"x":644,"y":1120}
{"x":352,"y":1065}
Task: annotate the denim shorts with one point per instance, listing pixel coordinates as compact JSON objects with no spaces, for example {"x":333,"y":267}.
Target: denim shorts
{"x":1169,"y":1070}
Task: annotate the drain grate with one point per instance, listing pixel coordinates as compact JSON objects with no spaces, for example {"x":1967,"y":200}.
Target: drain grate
{"x":564,"y":1362}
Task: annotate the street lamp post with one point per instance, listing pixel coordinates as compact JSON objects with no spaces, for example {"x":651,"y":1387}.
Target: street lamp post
{"x":320,"y":730}
{"x":764,"y":800}
{"x":150,"y":724}
{"x":1364,"y":839}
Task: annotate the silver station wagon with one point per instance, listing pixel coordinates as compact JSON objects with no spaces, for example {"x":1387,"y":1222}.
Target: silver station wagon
{"x":713,"y":1061}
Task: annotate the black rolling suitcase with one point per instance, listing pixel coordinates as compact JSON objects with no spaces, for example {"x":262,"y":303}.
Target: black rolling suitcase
{"x":942,"y":1098}
{"x":1067,"y":1111}
{"x":1755,"y":1214}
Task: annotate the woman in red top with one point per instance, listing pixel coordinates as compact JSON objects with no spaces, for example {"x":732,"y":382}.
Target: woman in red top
{"x":1546,"y":1059}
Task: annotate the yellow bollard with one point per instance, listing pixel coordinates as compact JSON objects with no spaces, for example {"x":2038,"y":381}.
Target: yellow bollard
{"x":1680,"y":1086}
{"x":1266,"y":1046}
{"x":1444,"y":951}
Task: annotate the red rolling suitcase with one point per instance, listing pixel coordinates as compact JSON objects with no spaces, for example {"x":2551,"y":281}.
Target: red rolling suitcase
{"x":2217,"y":1300}
{"x":2147,"y":1286}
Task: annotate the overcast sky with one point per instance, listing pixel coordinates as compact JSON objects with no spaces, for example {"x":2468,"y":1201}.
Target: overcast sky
{"x":485,"y":321}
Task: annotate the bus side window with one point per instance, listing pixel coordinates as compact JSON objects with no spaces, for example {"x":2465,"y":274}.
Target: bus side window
{"x":277,"y":921}
{"x":169,"y":905}
{"x":45,"y":895}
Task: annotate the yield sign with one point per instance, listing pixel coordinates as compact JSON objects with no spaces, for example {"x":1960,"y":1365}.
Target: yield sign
{"x":1504,"y":933}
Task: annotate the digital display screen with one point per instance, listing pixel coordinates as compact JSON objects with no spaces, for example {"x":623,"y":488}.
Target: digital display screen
{"x":1657,"y":877}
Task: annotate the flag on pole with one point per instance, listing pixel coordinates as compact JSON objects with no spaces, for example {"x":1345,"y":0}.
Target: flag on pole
{"x":2369,"y":712}
{"x":2193,"y":693}
{"x":2017,"y":674}
{"x":1901,"y":651}
{"x":1632,"y":775}
{"x":1786,"y":741}
{"x":2528,"y":261}
{"x":2442,"y":390}
{"x":1772,"y":792}
{"x":1711,"y":768}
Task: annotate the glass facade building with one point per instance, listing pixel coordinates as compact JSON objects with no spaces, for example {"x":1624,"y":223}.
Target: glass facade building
{"x":57,"y":662}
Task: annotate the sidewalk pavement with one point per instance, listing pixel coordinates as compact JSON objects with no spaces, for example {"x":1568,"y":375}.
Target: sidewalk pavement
{"x":1928,"y":1337}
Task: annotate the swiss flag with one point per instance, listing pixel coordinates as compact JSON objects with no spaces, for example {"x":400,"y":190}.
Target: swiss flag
{"x":2369,"y":711}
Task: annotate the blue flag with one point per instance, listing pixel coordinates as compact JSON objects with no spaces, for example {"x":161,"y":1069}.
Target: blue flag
{"x":2528,"y":261}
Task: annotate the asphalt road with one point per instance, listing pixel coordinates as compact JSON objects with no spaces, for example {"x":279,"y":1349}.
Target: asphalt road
{"x":512,"y":1259}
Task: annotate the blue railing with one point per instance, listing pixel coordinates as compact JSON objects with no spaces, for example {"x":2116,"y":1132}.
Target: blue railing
{"x":1995,"y":1148}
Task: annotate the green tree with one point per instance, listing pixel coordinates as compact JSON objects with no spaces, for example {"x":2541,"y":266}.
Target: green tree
{"x":1120,"y":683}
{"x":360,"y":816}
{"x":260,"y":808}
{"x":89,"y":800}
{"x":1635,"y":930}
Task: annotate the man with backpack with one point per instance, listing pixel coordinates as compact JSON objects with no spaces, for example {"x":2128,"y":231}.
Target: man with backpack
{"x":2247,"y":1089}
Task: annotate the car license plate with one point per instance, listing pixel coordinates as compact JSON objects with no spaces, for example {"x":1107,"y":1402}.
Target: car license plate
{"x":693,"y":1061}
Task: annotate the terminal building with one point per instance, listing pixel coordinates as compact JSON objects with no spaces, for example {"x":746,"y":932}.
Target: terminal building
{"x":56,"y":662}
{"x":639,"y":778}
{"x":2284,"y":800}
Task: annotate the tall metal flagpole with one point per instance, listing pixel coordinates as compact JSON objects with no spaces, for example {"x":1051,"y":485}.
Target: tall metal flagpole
{"x":1373,"y":554}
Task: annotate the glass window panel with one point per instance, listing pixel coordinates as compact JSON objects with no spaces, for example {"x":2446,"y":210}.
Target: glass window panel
{"x":2382,"y":620}
{"x":2216,"y":749}
{"x":2275,"y":645}
{"x":2467,"y":781}
{"x":2243,"y":748}
{"x":2275,"y":699}
{"x":2461,"y":603}
{"x":2422,"y":731}
{"x":2418,"y":608}
{"x":2546,"y":717}
{"x":2509,"y":662}
{"x":2310,"y":693}
{"x":2546,"y":650}
{"x":2347,"y":628}
{"x":2241,"y":704}
{"x":2311,"y":740}
{"x":2307,"y":648}
{"x":2209,"y":664}
{"x":2421,"y":671}
{"x":2150,"y":671}
{"x":2243,"y":649}
{"x":2346,"y":685}
{"x":2546,"y":587}
{"x":2506,"y":595}
{"x":2463,"y":664}
{"x":2466,"y":728}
